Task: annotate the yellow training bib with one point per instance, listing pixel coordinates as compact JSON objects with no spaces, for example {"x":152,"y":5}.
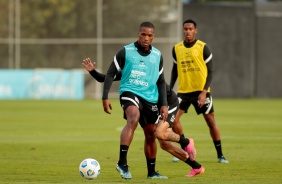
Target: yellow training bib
{"x":191,"y":67}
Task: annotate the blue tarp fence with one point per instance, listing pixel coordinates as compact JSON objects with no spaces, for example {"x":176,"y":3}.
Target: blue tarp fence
{"x":41,"y":84}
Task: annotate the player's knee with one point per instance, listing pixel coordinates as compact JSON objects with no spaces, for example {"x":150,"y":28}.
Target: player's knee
{"x":149,"y":136}
{"x":150,"y":139}
{"x":132,"y":124}
{"x":159,"y":135}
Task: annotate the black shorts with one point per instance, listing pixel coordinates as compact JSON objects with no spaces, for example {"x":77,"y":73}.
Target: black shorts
{"x":173,"y":107}
{"x":186,"y":99}
{"x":172,"y":111}
{"x":149,"y":112}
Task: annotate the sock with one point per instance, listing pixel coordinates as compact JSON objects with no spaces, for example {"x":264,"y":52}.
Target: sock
{"x":151,"y":163}
{"x":183,"y":141}
{"x":123,"y":156}
{"x":193,"y":164}
{"x":217,"y":145}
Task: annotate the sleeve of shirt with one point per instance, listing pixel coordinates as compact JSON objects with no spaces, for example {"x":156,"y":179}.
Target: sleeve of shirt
{"x":97,"y":76}
{"x":162,"y":86}
{"x":209,"y":63}
{"x":101,"y":77}
{"x":113,"y":70}
{"x":174,"y":73}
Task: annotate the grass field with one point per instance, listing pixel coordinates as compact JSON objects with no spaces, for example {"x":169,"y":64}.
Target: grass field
{"x":44,"y":142}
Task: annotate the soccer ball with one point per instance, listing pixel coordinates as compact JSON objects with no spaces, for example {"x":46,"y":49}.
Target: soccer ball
{"x":89,"y":168}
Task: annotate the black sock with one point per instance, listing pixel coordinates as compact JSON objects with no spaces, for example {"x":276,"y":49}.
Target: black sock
{"x":123,"y":156}
{"x":151,"y":163}
{"x":183,"y":141}
{"x":217,"y":145}
{"x":193,"y":164}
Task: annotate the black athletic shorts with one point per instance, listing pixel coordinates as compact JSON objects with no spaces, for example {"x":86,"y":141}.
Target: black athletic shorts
{"x":148,"y":111}
{"x":186,"y":99}
{"x":173,"y":107}
{"x":172,"y":111}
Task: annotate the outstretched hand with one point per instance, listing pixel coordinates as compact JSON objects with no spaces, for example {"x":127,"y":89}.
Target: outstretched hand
{"x":88,"y":65}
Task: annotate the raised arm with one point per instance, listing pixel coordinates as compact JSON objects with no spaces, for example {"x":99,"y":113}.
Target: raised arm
{"x":90,"y":67}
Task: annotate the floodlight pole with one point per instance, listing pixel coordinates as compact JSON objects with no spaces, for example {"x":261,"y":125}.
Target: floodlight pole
{"x":179,"y":20}
{"x":255,"y":42}
{"x":11,"y":33}
{"x":18,"y":34}
{"x":99,"y":50}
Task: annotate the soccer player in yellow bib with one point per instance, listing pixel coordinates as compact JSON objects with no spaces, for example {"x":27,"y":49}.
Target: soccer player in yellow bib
{"x":193,"y":67}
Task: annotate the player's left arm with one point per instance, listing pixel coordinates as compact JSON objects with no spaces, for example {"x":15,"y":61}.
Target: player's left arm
{"x":162,"y":92}
{"x":209,"y":62}
{"x":207,"y":55}
{"x":174,"y":73}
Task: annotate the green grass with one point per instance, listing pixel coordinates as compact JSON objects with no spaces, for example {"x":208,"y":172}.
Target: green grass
{"x":44,"y":142}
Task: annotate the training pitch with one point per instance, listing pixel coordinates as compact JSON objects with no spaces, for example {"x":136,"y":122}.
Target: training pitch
{"x":43,"y":141}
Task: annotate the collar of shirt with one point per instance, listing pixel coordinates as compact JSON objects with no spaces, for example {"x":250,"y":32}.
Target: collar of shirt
{"x":141,"y":49}
{"x":186,"y":44}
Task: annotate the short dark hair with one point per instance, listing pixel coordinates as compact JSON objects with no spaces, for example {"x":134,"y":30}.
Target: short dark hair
{"x":190,"y":21}
{"x":147,"y":24}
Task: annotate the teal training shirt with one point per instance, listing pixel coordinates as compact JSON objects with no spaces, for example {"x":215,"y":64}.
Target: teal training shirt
{"x":140,"y":73}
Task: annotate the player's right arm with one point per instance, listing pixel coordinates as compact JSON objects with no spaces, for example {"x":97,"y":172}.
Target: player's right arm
{"x":115,"y":67}
{"x":101,"y":77}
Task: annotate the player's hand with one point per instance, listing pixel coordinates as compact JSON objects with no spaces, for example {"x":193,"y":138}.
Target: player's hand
{"x":107,"y":105}
{"x":202,"y":98}
{"x":88,"y":65}
{"x":164,"y":112}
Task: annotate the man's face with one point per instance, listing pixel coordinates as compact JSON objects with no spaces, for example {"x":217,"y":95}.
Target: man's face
{"x":189,"y":32}
{"x":146,"y":36}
